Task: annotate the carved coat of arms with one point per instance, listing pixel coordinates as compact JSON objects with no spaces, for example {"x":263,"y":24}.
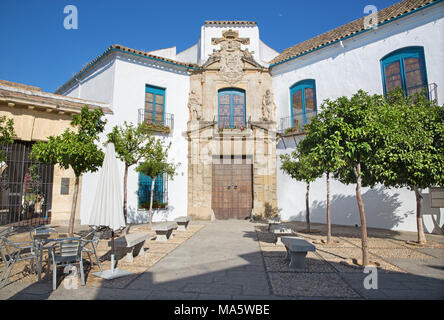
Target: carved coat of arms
{"x":231,"y":69}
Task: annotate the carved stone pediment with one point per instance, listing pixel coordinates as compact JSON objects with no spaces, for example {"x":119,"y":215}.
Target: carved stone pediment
{"x":231,"y":57}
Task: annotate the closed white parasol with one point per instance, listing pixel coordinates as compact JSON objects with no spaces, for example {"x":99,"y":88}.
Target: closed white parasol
{"x":107,"y":209}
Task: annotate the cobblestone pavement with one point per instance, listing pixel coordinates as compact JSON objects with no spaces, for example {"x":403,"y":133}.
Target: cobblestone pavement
{"x":238,"y":260}
{"x":405,"y":271}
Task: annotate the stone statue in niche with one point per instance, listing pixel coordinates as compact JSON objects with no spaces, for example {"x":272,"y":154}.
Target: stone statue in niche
{"x":194,"y":106}
{"x":268,"y":106}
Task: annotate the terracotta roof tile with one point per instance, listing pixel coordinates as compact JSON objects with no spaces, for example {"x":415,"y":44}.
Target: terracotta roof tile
{"x":230,"y":22}
{"x":348,"y":29}
{"x":125,"y":49}
{"x":19,"y":85}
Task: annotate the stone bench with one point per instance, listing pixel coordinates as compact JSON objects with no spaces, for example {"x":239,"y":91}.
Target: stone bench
{"x":279,"y":231}
{"x":273,"y":222}
{"x":164,"y":231}
{"x":131,"y":244}
{"x":182,"y":223}
{"x":297,"y":249}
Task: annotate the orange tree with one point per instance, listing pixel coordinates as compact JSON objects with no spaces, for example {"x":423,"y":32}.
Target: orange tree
{"x":302,"y":168}
{"x":76,"y":149}
{"x":353,"y":122}
{"x":131,"y":144}
{"x":155,"y":162}
{"x":411,"y":147}
{"x":322,"y":145}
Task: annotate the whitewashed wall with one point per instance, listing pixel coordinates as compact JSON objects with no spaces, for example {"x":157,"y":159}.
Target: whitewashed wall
{"x":342,"y":71}
{"x":130,"y":81}
{"x":96,"y":84}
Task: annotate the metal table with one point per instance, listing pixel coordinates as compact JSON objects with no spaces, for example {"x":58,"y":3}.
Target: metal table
{"x":48,"y":242}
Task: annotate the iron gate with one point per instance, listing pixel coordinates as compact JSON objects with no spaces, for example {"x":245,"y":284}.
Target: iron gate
{"x":25,"y":187}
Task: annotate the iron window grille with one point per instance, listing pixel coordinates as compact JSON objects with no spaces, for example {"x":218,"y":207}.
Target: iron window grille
{"x":25,"y":187}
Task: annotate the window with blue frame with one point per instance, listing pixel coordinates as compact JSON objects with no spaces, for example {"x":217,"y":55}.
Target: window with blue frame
{"x":404,"y":68}
{"x":303,"y":103}
{"x":154,"y":105}
{"x":159,"y":195}
{"x":231,"y":108}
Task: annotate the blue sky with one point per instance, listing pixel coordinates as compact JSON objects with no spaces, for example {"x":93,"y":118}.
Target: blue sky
{"x":37,"y":50}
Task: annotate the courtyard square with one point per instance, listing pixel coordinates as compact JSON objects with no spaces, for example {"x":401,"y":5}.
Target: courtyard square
{"x":232,"y":259}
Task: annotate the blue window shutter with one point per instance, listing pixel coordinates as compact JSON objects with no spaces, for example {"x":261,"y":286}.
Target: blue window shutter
{"x":144,"y":191}
{"x":231,"y":108}
{"x":156,"y":106}
{"x":404,"y":63}
{"x":306,"y":91}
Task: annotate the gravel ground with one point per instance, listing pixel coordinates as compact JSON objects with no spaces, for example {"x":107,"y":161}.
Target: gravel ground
{"x":375,"y":243}
{"x":429,"y":244}
{"x":313,"y":263}
{"x":400,"y":254}
{"x":337,"y":255}
{"x":336,"y":243}
{"x":310,"y":285}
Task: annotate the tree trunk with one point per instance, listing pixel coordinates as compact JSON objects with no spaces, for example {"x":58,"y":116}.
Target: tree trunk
{"x":151,"y":201}
{"x":328,"y":209}
{"x":357,"y":171}
{"x":125,"y":197}
{"x":73,"y":208}
{"x":421,"y":236}
{"x":307,"y":207}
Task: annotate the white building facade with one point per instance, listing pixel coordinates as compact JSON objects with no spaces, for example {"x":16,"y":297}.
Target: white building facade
{"x":126,"y":79}
{"x":341,"y":68}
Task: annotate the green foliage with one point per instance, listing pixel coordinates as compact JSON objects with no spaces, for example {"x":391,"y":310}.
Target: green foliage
{"x":155,"y":161}
{"x":7,"y":134}
{"x":411,"y":143}
{"x":350,"y":124}
{"x":156,"y":204}
{"x":300,"y":167}
{"x":322,"y":142}
{"x":75,"y":149}
{"x":131,"y":143}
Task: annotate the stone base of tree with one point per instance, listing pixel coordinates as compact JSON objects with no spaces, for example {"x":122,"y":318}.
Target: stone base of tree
{"x":416,"y":243}
{"x":310,"y":231}
{"x":325,"y":242}
{"x":357,"y":263}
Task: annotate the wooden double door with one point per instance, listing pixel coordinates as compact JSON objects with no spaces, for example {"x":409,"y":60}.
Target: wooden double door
{"x":232,"y":191}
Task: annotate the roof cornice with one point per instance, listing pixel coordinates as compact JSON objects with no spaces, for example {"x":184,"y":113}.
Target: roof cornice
{"x":125,"y":50}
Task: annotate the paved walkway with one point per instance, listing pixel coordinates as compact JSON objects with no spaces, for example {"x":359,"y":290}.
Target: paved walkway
{"x":223,"y":261}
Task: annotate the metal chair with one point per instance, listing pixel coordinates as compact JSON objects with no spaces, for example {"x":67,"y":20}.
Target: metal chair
{"x":3,"y":233}
{"x":11,"y":252}
{"x":39,"y":235}
{"x":42,"y":232}
{"x":92,"y":238}
{"x":70,"y":252}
